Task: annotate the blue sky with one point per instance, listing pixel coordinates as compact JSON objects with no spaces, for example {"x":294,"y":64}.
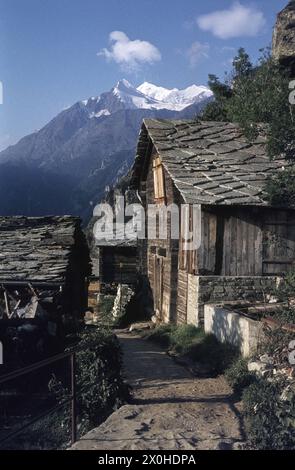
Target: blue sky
{"x":56,"y":52}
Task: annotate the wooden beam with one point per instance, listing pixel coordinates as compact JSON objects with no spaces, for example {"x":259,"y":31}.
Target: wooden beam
{"x":7,"y":305}
{"x":219,"y":245}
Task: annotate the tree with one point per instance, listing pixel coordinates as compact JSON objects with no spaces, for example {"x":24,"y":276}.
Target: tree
{"x":217,"y":110}
{"x":256,"y":95}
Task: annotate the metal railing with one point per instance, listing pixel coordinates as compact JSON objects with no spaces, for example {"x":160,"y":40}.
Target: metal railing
{"x":71,"y":355}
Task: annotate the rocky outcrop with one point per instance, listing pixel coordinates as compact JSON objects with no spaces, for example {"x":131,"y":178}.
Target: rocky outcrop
{"x":284,"y":37}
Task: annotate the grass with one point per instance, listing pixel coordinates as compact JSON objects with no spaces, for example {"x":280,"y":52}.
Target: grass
{"x":193,"y":343}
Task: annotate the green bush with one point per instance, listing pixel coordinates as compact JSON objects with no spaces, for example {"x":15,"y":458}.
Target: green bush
{"x":280,"y":188}
{"x":269,"y":413}
{"x":100,"y":390}
{"x":238,"y":376}
{"x":105,"y":308}
{"x":99,"y":363}
{"x":270,"y":420}
{"x":253,"y":94}
{"x":276,"y":338}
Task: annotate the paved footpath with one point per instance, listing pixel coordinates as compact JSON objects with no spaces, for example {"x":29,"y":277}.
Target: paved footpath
{"x":170,"y":408}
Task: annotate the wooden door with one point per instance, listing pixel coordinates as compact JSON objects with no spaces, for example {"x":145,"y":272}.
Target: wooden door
{"x":278,"y":243}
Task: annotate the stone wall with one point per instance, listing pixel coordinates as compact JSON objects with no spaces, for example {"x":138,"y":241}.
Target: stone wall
{"x":216,"y":289}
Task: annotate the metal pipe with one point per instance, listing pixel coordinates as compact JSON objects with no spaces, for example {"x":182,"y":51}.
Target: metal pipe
{"x":33,"y":283}
{"x":33,"y":367}
{"x":72,"y":399}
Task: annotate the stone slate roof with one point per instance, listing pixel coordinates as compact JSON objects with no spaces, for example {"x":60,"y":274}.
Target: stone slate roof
{"x":37,"y":249}
{"x":210,"y":162}
{"x":117,"y":236}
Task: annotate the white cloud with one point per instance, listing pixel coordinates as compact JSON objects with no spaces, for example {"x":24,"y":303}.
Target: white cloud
{"x":196,"y":52}
{"x":130,"y":55}
{"x":237,"y":21}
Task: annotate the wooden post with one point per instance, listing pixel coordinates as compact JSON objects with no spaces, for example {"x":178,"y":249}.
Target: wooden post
{"x":7,"y":304}
{"x":74,"y":398}
{"x":121,"y":266}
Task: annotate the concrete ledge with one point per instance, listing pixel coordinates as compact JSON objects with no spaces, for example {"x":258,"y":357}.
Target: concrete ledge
{"x":231,"y":327}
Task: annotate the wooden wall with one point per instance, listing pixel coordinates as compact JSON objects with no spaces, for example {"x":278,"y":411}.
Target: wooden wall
{"x":162,"y":255}
{"x":278,"y":242}
{"x":118,"y":265}
{"x":236,"y":241}
{"x":247,"y":242}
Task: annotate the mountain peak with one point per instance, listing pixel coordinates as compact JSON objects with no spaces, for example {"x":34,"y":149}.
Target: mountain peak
{"x":146,"y":96}
{"x":124,"y":84}
{"x":86,"y":148}
{"x":174,"y":98}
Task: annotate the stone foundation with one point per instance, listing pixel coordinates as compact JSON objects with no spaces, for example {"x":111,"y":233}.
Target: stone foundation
{"x":220,"y":289}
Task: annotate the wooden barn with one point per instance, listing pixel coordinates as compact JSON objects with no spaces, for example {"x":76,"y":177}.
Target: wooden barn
{"x":118,"y":264}
{"x":246,"y":245}
{"x":117,"y":258}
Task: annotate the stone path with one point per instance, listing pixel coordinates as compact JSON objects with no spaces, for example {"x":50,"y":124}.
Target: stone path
{"x":170,"y":408}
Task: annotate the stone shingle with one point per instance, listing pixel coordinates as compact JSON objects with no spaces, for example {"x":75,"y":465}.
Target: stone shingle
{"x":36,"y":248}
{"x":210,"y":162}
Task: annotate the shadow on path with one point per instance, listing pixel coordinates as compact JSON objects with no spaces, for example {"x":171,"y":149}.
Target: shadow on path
{"x":170,"y":408}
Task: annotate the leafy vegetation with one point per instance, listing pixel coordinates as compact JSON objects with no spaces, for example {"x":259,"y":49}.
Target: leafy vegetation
{"x":270,"y":416}
{"x":106,"y":303}
{"x":277,"y":339}
{"x":280,"y":188}
{"x":238,"y":376}
{"x":100,"y":390}
{"x":269,"y":403}
{"x":257,"y":98}
{"x":101,"y":386}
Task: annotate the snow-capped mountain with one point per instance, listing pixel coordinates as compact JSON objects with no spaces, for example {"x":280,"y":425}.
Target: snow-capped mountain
{"x":146,"y":96}
{"x":175,"y":99}
{"x":70,"y":162}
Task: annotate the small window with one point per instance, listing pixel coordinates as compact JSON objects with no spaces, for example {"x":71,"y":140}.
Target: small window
{"x":158,"y":179}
